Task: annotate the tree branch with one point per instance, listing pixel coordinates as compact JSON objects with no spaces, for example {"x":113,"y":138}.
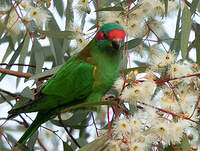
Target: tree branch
{"x":63,"y":125}
{"x":15,"y":73}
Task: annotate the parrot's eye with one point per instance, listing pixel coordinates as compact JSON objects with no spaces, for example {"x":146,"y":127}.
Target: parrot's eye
{"x":105,"y":36}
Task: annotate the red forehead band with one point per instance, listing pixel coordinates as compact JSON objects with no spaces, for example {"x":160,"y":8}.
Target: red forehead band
{"x":115,"y":34}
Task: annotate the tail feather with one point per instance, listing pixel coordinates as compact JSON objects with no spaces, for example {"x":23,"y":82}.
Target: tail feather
{"x":40,"y":118}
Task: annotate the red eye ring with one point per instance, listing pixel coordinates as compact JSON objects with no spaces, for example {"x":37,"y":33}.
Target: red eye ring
{"x":99,"y":35}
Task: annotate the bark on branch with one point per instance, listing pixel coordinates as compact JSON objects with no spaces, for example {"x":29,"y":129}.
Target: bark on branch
{"x":15,"y":73}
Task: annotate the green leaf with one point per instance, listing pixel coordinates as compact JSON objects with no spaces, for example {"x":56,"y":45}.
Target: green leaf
{"x":183,"y":146}
{"x":75,"y":120}
{"x":2,"y":28}
{"x":56,"y":49}
{"x":38,"y":55}
{"x":193,"y":6}
{"x":31,"y":142}
{"x":59,"y":6}
{"x":10,"y":47}
{"x":97,"y":145}
{"x":93,"y":27}
{"x":23,"y":54}
{"x":45,"y":74}
{"x":185,"y":30}
{"x":166,"y":6}
{"x":21,"y":147}
{"x":32,"y":62}
{"x":59,"y":34}
{"x":27,"y":93}
{"x":8,"y":98}
{"x":21,"y":102}
{"x":133,"y":43}
{"x":175,"y":45}
{"x":115,"y":8}
{"x":14,"y":57}
{"x":197,"y":44}
{"x":139,"y":69}
{"x":67,"y":147}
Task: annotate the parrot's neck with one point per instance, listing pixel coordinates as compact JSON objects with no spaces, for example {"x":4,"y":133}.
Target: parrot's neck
{"x":107,"y":62}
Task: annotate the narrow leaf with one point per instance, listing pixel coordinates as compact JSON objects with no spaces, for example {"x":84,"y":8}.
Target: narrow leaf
{"x":27,"y":93}
{"x":166,"y":6}
{"x":59,"y":6}
{"x":59,"y":34}
{"x":23,"y":54}
{"x":97,"y":145}
{"x":193,"y":6}
{"x":9,"y":49}
{"x":67,"y":147}
{"x":45,"y":74}
{"x":185,"y":30}
{"x":31,"y":142}
{"x":139,"y":69}
{"x":133,"y":43}
{"x":76,"y":119}
{"x":14,"y":57}
{"x":175,"y":45}
{"x":38,"y":55}
{"x":183,"y":146}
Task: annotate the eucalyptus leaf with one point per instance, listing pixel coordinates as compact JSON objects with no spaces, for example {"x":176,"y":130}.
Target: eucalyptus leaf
{"x":21,"y":147}
{"x":139,"y":69}
{"x":58,"y":54}
{"x":97,"y":145}
{"x":14,"y":57}
{"x":38,"y":55}
{"x":193,"y":6}
{"x":27,"y":93}
{"x":22,"y":56}
{"x":183,"y":146}
{"x":66,"y":147}
{"x":175,"y":45}
{"x":166,"y":6}
{"x":133,"y":43}
{"x":45,"y":73}
{"x":197,"y":46}
{"x":31,"y":142}
{"x":76,"y":119}
{"x":185,"y":30}
{"x":59,"y":6}
{"x":59,"y":34}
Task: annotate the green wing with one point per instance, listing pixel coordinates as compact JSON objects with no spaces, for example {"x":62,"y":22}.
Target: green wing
{"x":72,"y":83}
{"x":74,"y":80}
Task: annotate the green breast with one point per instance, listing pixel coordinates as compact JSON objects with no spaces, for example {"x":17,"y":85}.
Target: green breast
{"x":107,"y":64}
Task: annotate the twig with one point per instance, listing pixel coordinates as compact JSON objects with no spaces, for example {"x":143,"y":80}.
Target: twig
{"x":15,"y":73}
{"x":73,"y":139}
{"x":168,"y":112}
{"x":19,"y":64}
{"x":9,"y":93}
{"x":6,"y":138}
{"x":40,"y":143}
{"x":94,"y":124}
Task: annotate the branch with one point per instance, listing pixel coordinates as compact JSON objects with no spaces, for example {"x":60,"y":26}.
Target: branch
{"x":15,"y":73}
{"x":41,"y":145}
{"x":74,"y":140}
{"x":168,"y":112}
{"x":19,"y":64}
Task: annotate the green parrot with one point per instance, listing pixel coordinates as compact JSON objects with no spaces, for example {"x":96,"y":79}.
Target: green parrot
{"x":85,"y":77}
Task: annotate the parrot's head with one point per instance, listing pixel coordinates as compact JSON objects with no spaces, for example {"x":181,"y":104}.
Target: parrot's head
{"x":111,"y":34}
